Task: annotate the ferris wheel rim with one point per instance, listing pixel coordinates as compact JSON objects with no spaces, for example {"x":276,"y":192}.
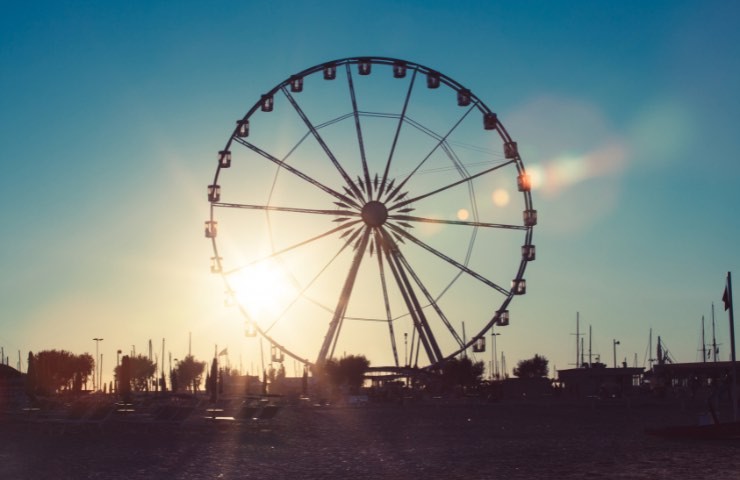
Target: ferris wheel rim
{"x":476,"y":103}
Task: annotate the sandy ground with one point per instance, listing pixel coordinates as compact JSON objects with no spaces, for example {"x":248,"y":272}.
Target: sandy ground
{"x":478,"y":441}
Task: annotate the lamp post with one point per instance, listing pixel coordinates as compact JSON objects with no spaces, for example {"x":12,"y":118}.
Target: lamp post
{"x":95,"y":368}
{"x":494,"y":366}
{"x":614,"y":345}
{"x":405,"y":349}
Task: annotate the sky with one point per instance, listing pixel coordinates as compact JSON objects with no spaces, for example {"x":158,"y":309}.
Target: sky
{"x":111,"y":116}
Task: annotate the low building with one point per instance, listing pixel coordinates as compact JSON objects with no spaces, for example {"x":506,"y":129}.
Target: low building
{"x":691,"y":377}
{"x":12,"y":388}
{"x":599,"y":381}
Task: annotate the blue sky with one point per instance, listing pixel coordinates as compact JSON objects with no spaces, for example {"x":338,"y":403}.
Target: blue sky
{"x":111,"y":115}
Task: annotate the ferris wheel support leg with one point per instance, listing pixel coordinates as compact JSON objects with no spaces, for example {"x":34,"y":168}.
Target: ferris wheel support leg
{"x":330,"y":340}
{"x":412,"y":303}
{"x":385,"y":298}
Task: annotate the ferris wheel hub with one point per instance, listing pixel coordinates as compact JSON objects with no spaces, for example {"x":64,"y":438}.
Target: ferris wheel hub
{"x":374,"y":213}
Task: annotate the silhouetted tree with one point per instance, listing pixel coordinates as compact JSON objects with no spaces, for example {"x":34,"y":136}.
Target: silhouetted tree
{"x":141,"y":370}
{"x":31,"y":376}
{"x":353,"y":368}
{"x":173,"y":380}
{"x":534,"y":367}
{"x":124,"y":378}
{"x":61,"y":370}
{"x":329,"y":370}
{"x":348,"y":371}
{"x":213,"y":380}
{"x":462,"y":372}
{"x":190,"y":372}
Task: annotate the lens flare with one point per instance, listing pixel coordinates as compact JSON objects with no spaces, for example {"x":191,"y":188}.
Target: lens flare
{"x":500,"y":197}
{"x":463,"y":214}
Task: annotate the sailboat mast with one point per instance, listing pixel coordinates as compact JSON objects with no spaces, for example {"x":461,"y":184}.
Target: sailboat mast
{"x":589,"y":346}
{"x":578,"y":336}
{"x":715,"y":351}
{"x":703,"y":342}
{"x":728,"y":305}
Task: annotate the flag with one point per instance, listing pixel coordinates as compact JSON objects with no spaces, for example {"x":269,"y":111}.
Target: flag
{"x":225,"y":351}
{"x":726,"y":298}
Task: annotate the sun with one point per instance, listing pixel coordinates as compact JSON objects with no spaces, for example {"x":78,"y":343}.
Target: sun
{"x":264,"y":289}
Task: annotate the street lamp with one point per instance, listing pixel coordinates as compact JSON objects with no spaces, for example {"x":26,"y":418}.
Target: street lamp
{"x":614,"y":345}
{"x":494,"y":366}
{"x":95,"y":374}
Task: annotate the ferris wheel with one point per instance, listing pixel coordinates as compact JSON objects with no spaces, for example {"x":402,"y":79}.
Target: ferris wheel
{"x":371,"y":206}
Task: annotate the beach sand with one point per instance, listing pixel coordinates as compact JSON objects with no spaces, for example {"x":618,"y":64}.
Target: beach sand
{"x":426,"y":441}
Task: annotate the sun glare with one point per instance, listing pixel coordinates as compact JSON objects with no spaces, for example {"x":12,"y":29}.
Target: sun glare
{"x":264,"y":289}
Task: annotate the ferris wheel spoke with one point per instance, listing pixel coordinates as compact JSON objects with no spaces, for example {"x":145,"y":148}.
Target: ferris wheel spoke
{"x":323,"y":144}
{"x":429,"y":297}
{"x":413,"y":306}
{"x":451,"y":185}
{"x":434,"y":149}
{"x":358,"y":127}
{"x":401,"y":119}
{"x":282,"y":251}
{"x":411,"y":218}
{"x":273,"y":208}
{"x":447,"y":259}
{"x":332,"y":335}
{"x":386,"y":301}
{"x":302,"y":292}
{"x":297,"y":172}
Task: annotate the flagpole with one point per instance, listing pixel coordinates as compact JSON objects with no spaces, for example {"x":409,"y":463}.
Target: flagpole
{"x":728,"y":303}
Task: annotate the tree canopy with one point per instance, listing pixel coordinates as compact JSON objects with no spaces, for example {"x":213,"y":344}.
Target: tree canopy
{"x":58,"y":370}
{"x":190,"y":373}
{"x":534,"y":367}
{"x":462,"y":372}
{"x":141,"y":371}
{"x":349,"y":371}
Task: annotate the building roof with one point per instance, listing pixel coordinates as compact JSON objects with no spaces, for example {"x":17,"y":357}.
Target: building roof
{"x":8,"y":372}
{"x":600,"y":372}
{"x":693,"y":367}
